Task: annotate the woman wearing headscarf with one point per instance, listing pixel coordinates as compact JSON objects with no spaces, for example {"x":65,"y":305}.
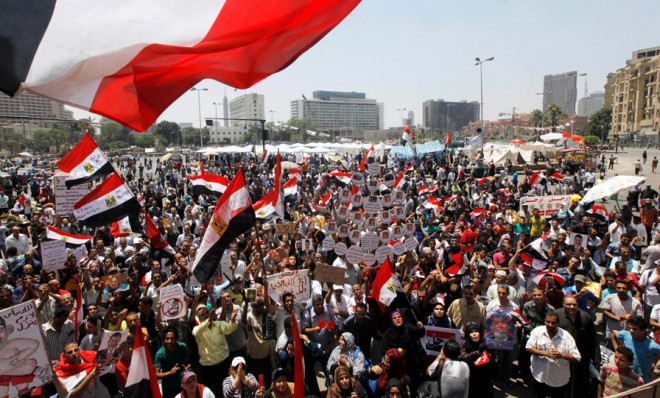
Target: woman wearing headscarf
{"x":395,"y":390}
{"x":281,"y":387}
{"x":345,"y":386}
{"x":472,"y":349}
{"x":349,"y":355}
{"x":407,"y":337}
{"x":392,"y":368}
{"x":439,"y":316}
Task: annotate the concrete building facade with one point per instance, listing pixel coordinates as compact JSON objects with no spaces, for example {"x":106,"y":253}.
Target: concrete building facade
{"x":247,"y":106}
{"x":441,"y":115}
{"x":340,"y":113}
{"x":636,"y":97}
{"x":591,"y":104}
{"x":560,"y":89}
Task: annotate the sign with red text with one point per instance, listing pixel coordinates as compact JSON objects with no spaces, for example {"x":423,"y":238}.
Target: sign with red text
{"x":548,"y":205}
{"x":25,"y":364}
{"x":296,"y":282}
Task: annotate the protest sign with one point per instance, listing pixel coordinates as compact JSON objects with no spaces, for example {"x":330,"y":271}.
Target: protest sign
{"x":354,"y":255}
{"x":548,"y":205}
{"x":436,"y":337}
{"x":383,"y":252}
{"x":328,"y":243}
{"x":66,"y":198}
{"x":357,"y":179}
{"x":53,"y":255}
{"x":25,"y":364}
{"x":172,"y":303}
{"x":296,"y":282}
{"x":110,"y":349}
{"x":328,"y":273}
{"x":283,"y":229}
{"x":369,"y":259}
{"x":340,"y":248}
{"x":369,"y":241}
{"x":373,"y":168}
{"x":500,"y":331}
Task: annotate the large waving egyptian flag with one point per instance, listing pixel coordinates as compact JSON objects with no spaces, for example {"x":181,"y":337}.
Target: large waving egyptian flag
{"x":290,"y":188}
{"x":208,"y":184}
{"x":233,"y":215}
{"x":69,"y":239}
{"x":365,"y":159}
{"x":130,"y":60}
{"x":84,"y":162}
{"x":277,"y":195}
{"x":107,"y":203}
{"x":387,"y":288}
{"x":141,"y":381}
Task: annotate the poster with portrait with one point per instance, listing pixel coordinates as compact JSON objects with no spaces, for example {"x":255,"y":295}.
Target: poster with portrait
{"x":24,"y":362}
{"x":578,"y":241}
{"x":500,"y":331}
{"x":110,"y":349}
{"x":307,"y":245}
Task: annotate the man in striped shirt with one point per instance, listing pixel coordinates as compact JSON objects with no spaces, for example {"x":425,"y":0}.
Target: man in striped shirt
{"x":59,"y":332}
{"x":619,"y":376}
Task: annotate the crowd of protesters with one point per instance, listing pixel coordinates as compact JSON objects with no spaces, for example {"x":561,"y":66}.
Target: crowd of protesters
{"x":232,"y":344}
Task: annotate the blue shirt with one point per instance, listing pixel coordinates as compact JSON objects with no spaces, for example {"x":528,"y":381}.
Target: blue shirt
{"x":645,"y":353}
{"x":583,"y":300}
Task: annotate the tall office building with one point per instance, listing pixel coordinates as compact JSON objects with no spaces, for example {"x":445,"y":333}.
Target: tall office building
{"x":635,"y":92}
{"x":591,"y":104}
{"x":247,"y":106}
{"x":560,"y":89}
{"x":411,"y":118}
{"x":33,"y":106}
{"x":337,"y":111}
{"x":443,"y":115}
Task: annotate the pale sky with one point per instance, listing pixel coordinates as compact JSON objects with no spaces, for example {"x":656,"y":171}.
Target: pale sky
{"x":402,"y":53}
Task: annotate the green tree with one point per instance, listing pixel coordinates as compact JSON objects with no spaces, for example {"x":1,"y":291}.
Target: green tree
{"x":41,"y":140}
{"x":536,"y":118}
{"x":553,"y":115}
{"x":145,"y":140}
{"x":599,"y":123}
{"x":591,"y":139}
{"x":169,"y":131}
{"x":112,"y":133}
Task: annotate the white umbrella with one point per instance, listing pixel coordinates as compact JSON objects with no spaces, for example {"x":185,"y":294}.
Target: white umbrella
{"x":286,"y":165}
{"x":611,"y":186}
{"x":25,"y":154}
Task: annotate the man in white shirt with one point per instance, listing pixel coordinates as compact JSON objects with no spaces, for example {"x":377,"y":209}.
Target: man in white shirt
{"x":18,"y":240}
{"x":552,"y":349}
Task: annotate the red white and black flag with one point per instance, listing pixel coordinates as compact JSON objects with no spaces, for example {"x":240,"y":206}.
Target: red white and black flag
{"x":233,"y":215}
{"x":116,"y":60}
{"x":208,"y":184}
{"x":365,"y":159}
{"x":290,"y":188}
{"x":141,"y":381}
{"x":69,"y":239}
{"x":155,"y":238}
{"x":107,"y":203}
{"x":84,"y":162}
{"x":265,"y":208}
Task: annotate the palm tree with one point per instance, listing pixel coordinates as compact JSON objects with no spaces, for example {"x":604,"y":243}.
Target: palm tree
{"x":553,"y":115}
{"x":536,"y":118}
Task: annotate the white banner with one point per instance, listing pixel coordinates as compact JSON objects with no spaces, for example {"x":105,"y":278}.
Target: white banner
{"x":436,"y":337}
{"x":53,"y":254}
{"x":548,"y":205}
{"x":66,"y":198}
{"x":21,"y":339}
{"x":296,"y":282}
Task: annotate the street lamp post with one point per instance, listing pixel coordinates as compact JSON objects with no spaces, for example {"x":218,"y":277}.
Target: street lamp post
{"x":479,"y":62}
{"x":401,"y":114}
{"x":271,"y":115}
{"x":199,"y":108}
{"x":543,"y":114}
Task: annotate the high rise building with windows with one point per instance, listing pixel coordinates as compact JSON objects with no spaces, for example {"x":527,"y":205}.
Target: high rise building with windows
{"x":247,"y":106}
{"x":560,"y":89}
{"x":34,"y":106}
{"x":339,"y":113}
{"x":444,"y":115}
{"x":591,"y":104}
{"x":635,"y":91}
